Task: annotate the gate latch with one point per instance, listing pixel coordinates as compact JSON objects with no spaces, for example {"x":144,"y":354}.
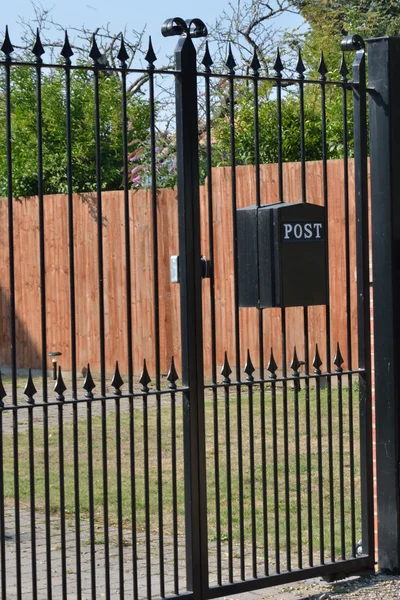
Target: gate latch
{"x":174,"y":268}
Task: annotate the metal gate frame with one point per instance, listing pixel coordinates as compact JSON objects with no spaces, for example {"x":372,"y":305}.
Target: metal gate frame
{"x":191,"y":310}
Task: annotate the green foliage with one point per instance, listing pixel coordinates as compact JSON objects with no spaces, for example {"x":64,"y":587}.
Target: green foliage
{"x":330,"y":20}
{"x":24,"y":130}
{"x":268,"y":126}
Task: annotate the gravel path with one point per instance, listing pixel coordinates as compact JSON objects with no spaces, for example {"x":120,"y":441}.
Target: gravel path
{"x":377,"y":587}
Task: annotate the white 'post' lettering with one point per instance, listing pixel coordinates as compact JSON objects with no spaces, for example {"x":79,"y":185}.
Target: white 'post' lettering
{"x":288,"y":228}
{"x":298,"y":231}
{"x":317,"y":227}
{"x":307,"y":231}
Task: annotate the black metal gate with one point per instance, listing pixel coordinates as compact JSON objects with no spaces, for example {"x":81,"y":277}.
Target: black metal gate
{"x":257,"y":475}
{"x":280,"y":460}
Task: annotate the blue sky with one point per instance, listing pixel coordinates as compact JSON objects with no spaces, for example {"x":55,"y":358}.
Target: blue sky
{"x":120,"y":14}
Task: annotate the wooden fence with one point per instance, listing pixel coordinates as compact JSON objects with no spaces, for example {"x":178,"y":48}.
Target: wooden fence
{"x":27,"y":286}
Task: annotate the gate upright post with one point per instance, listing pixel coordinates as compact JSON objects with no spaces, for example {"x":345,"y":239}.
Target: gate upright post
{"x":384,"y":81}
{"x":191,"y":300}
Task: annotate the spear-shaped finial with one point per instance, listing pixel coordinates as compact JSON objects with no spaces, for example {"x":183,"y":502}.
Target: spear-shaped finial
{"x":66,"y":51}
{"x":7,"y":48}
{"x":122,"y":54}
{"x":38,"y":49}
{"x":207,"y":61}
{"x":151,"y":55}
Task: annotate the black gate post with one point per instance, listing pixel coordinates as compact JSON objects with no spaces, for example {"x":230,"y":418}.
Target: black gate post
{"x":384,"y":81}
{"x":363,"y":290}
{"x":191,"y":300}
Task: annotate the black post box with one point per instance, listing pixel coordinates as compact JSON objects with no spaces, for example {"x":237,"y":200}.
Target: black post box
{"x":282,"y":255}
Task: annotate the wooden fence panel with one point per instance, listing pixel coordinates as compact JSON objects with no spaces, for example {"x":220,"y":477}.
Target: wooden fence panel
{"x":27,"y":274}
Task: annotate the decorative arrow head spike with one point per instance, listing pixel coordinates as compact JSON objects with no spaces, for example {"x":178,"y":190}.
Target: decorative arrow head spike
{"x":66,"y":51}
{"x":278,"y":66}
{"x":95,"y":53}
{"x":89,"y":384}
{"x":207,"y":61}
{"x":172,"y":376}
{"x":38,"y":49}
{"x":60,"y":386}
{"x":150,"y":56}
{"x":117,"y":382}
{"x":338,"y":360}
{"x":322,"y":68}
{"x":300,"y":68}
{"x":230,"y":61}
{"x":7,"y":48}
{"x":226,"y":369}
{"x":145,"y":378}
{"x":122,"y":54}
{"x":317,"y":362}
{"x":3,"y":392}
{"x":249,"y":367}
{"x":255,"y":64}
{"x":296,"y":363}
{"x":272,"y":366}
{"x":343,"y":68}
{"x":30,"y":389}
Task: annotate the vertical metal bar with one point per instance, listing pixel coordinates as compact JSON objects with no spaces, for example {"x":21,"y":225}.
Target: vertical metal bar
{"x":191,"y":315}
{"x":75,"y":433}
{"x":101,"y":327}
{"x":298,"y":478}
{"x":125,"y":149}
{"x":213,"y":328}
{"x":133,"y":496}
{"x":156,"y":326}
{"x":71,"y":250}
{"x":341,"y":469}
{"x":306,"y":335}
{"x":275,"y":471}
{"x":99,"y":231}
{"x":217,"y":486}
{"x":308,"y":443}
{"x":328,"y":321}
{"x":119,"y":497}
{"x":91,"y":500}
{"x":174,"y":494}
{"x":261,"y":335}
{"x":228,"y":480}
{"x":128,"y":290}
{"x":105,"y":497}
{"x":348,"y":314}
{"x":320,"y":473}
{"x":40,"y":188}
{"x":283,"y":333}
{"x":13,"y":348}
{"x":363,"y":295}
{"x":147,"y":493}
{"x":252,"y":482}
{"x":383,"y":70}
{"x":62,"y":499}
{"x":2,"y":519}
{"x":236,"y":319}
{"x":32,"y":506}
{"x":71,"y":247}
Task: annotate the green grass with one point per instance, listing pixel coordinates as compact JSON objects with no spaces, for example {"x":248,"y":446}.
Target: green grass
{"x":285,"y":495}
